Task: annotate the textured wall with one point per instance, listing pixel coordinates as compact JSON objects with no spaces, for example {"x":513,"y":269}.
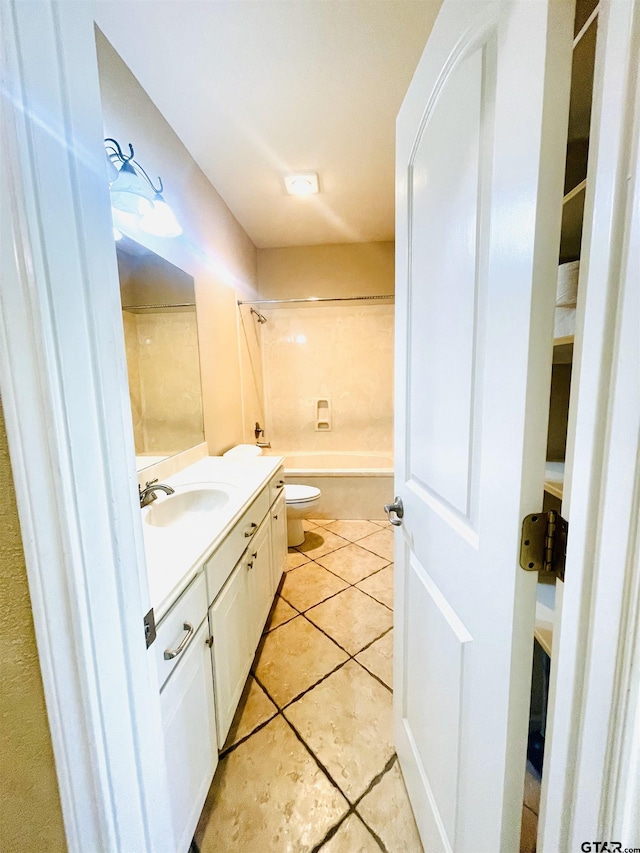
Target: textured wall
{"x":31,"y":818}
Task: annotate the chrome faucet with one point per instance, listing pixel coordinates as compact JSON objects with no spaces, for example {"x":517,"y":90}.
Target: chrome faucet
{"x":148,"y":494}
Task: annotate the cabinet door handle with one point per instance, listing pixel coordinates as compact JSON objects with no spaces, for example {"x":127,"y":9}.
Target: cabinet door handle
{"x":169,"y":654}
{"x":280,"y":484}
{"x":250,"y":564}
{"x":252,"y":529}
{"x":255,"y":554}
{"x":275,"y":517}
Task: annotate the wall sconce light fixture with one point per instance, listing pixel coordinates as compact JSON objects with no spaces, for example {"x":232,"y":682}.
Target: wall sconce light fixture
{"x":133,"y":191}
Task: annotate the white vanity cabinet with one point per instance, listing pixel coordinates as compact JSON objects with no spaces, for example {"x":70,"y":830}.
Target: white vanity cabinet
{"x":239,"y":605}
{"x":187,"y":708}
{"x":232,"y":644}
{"x":278,"y":539}
{"x":211,"y":617}
{"x":260,"y":578}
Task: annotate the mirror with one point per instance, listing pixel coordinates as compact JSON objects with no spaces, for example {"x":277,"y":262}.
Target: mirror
{"x":163,"y":358}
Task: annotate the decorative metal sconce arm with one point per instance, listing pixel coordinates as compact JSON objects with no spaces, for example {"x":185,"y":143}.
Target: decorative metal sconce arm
{"x":114,"y":152}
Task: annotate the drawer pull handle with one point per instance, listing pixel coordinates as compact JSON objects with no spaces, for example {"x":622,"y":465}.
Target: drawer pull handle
{"x":250,"y":564}
{"x":169,"y":654}
{"x":252,"y":529}
{"x":255,"y":554}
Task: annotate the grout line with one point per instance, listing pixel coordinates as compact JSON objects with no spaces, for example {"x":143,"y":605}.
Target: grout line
{"x":315,"y":758}
{"x":353,"y":811}
{"x":225,"y":752}
{"x":375,"y":835}
{"x":311,"y":686}
{"x":377,"y":779}
{"x":373,"y":598}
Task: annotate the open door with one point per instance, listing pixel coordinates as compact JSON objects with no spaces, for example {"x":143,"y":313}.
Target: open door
{"x":480,"y":159}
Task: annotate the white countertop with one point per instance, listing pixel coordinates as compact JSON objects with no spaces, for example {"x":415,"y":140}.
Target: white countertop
{"x":175,"y":555}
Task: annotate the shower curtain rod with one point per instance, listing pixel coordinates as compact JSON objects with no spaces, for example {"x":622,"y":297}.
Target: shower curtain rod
{"x":159,"y":305}
{"x":315,"y":299}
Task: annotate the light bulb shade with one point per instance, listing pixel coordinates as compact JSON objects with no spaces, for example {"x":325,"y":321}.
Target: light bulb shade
{"x":130,"y":193}
{"x":160,"y":220}
{"x":112,"y":171}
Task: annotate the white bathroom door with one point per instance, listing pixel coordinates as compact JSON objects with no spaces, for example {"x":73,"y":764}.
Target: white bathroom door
{"x":480,"y":161}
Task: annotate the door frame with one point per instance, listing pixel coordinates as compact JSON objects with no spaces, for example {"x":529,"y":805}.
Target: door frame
{"x":583,"y":792}
{"x":64,"y":392}
{"x":63,"y":386}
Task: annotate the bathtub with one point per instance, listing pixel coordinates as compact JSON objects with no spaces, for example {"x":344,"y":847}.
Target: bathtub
{"x":353,"y":485}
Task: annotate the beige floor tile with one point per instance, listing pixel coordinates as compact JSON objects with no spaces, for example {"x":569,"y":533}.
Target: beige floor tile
{"x":319,"y":541}
{"x":380,"y":543}
{"x":381,"y":522}
{"x":308,"y":524}
{"x":378,"y":659}
{"x":295,"y":559}
{"x":352,"y":563}
{"x":347,"y":722}
{"x":321,"y":522}
{"x":352,"y":619}
{"x":380,"y":586}
{"x":254,"y":708}
{"x":352,"y":530}
{"x":352,"y":837}
{"x":387,"y":811}
{"x":281,"y":612}
{"x":309,"y":585}
{"x":529,"y":831}
{"x":293,"y":657}
{"x":268,"y":795}
{"x":532,"y":784}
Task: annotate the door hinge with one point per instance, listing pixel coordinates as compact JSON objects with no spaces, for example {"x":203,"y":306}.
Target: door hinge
{"x":543,"y":547}
{"x":150,"y":627}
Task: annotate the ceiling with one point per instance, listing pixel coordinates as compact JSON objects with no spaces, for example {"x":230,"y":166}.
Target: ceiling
{"x":256,"y":89}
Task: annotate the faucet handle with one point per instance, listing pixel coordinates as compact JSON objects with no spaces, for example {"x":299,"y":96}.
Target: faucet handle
{"x":151,"y":482}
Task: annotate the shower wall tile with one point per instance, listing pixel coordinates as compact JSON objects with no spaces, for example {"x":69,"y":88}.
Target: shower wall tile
{"x":164,"y":380}
{"x":344,"y":353}
{"x":133,"y":371}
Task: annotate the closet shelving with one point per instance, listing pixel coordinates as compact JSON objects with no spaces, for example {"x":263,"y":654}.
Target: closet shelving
{"x":582,"y":72}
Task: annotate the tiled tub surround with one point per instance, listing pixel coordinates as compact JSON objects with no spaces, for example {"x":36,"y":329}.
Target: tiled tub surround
{"x":163,"y":364}
{"x":352,"y":484}
{"x":309,"y":762}
{"x":340,"y":352}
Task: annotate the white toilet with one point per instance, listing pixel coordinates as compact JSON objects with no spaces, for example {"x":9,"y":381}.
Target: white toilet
{"x":300,"y":500}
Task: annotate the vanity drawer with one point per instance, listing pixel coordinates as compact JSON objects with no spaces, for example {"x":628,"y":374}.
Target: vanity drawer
{"x":221,"y":563}
{"x":276,"y":485}
{"x":191,"y":607}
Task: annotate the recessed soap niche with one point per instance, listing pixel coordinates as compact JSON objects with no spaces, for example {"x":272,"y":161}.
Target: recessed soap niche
{"x":323,"y":414}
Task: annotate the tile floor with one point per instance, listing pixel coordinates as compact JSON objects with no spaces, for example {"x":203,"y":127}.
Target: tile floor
{"x":309,"y":763}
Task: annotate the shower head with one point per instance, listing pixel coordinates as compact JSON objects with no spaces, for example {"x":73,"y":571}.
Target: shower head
{"x":260,"y":317}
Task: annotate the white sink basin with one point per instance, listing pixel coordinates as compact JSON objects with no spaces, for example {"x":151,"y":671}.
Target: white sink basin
{"x":188,"y":503}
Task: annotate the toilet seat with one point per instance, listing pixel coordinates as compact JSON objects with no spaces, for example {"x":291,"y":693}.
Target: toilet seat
{"x":296,"y":494}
